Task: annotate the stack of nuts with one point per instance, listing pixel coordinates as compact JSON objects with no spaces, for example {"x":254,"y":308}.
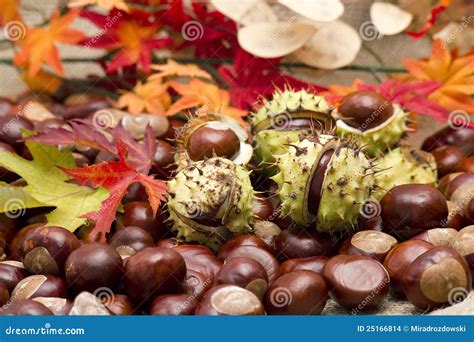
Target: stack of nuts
{"x":418,"y":245}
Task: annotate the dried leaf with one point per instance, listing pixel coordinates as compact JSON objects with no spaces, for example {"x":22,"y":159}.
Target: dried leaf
{"x":150,"y":97}
{"x":172,"y":68}
{"x":389,"y":19}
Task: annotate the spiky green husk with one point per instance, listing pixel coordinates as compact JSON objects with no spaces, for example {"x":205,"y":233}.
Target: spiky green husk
{"x":378,"y":139}
{"x":215,"y":189}
{"x":346,"y":186}
{"x":404,"y":165}
{"x":268,"y":144}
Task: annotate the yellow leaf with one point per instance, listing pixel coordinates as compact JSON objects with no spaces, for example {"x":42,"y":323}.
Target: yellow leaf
{"x":150,"y":97}
{"x":172,"y":68}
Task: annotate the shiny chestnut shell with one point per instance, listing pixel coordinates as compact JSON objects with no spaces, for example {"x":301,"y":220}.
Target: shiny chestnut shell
{"x":315,"y":264}
{"x":11,"y":127}
{"x":133,"y":237}
{"x":140,"y":214}
{"x":200,"y":259}
{"x":25,"y":307}
{"x":447,"y":159}
{"x":205,"y":142}
{"x":462,"y":137}
{"x":370,"y":243}
{"x":11,"y":275}
{"x":241,"y":240}
{"x":173,"y":305}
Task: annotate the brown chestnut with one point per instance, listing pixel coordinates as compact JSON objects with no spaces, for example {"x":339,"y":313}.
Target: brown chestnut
{"x":400,"y":258}
{"x":11,"y":127}
{"x":457,"y":181}
{"x":447,"y":159}
{"x":133,"y":237}
{"x":46,"y":249}
{"x":241,"y":240}
{"x":87,"y":304}
{"x":455,"y":218}
{"x":164,"y":155}
{"x":140,"y":214}
{"x":92,"y":266}
{"x":466,"y":165}
{"x":153,"y":271}
{"x":173,"y":305}
{"x":463,"y":243}
{"x":356,"y":282}
{"x":229,"y":300}
{"x":119,"y":305}
{"x":268,"y":232}
{"x":462,"y":137}
{"x":365,"y":110}
{"x":40,"y":286}
{"x":58,"y":306}
{"x":25,"y":307}
{"x":369,"y":243}
{"x":22,"y":235}
{"x":200,"y":259}
{"x":436,"y":278}
{"x":11,"y":273}
{"x":315,"y":264}
{"x":195,"y":284}
{"x":262,"y":208}
{"x":409,"y":209}
{"x":205,"y":142}
{"x":169,"y":243}
{"x":438,"y":236}
{"x":4,"y":294}
{"x":299,"y":292}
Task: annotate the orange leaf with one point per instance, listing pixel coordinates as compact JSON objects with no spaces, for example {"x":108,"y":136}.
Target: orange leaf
{"x":172,"y":68}
{"x":105,"y":4}
{"x":39,"y":45}
{"x":9,"y":11}
{"x":150,"y":97}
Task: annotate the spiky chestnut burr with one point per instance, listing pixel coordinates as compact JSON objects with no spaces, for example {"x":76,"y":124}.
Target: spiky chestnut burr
{"x":404,"y":165}
{"x":373,"y":119}
{"x":212,"y":135}
{"x":210,"y":201}
{"x":280,"y":121}
{"x":324,"y":179}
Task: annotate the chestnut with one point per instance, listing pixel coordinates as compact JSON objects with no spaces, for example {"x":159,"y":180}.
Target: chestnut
{"x":46,"y":249}
{"x":469,"y":212}
{"x":262,"y":208}
{"x":58,"y":306}
{"x":87,"y":304}
{"x":169,"y":243}
{"x":371,"y":223}
{"x":455,"y":218}
{"x":200,"y":259}
{"x":153,"y":271}
{"x":135,"y":193}
{"x":400,"y":258}
{"x":173,"y":305}
{"x":119,"y":305}
{"x":206,"y":142}
{"x":25,"y":307}
{"x":40,"y":286}
{"x":268,"y":232}
{"x":229,"y":300}
{"x":11,"y":127}
{"x":364,"y":110}
{"x":436,"y":278}
{"x":11,"y":273}
{"x":295,"y":242}
{"x":447,"y":159}
{"x":4,"y":294}
{"x":8,"y":229}
{"x":462,"y":137}
{"x":356,"y":282}
{"x":164,"y":155}
{"x":463,"y":243}
{"x":438,"y":236}
{"x":466,"y":165}
{"x":22,"y":235}
{"x":369,"y":243}
{"x":92,"y":266}
{"x":260,"y":255}
{"x":299,"y":292}
{"x":195,"y":284}
{"x":246,"y":273}
{"x":133,"y":237}
{"x":409,"y":209}
{"x":315,"y":264}
{"x":241,"y":240}
{"x":140,"y":214}
{"x":457,"y":181}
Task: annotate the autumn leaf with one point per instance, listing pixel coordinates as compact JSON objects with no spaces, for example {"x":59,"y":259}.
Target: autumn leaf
{"x":39,"y":45}
{"x":9,"y":11}
{"x":172,"y":68}
{"x":105,"y":4}
{"x":197,"y":93}
{"x":48,"y":186}
{"x":150,"y":97}
{"x":455,"y":74}
{"x":134,"y":35}
{"x":116,"y":176}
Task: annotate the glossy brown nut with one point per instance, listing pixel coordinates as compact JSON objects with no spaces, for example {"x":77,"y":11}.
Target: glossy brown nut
{"x":262,"y":208}
{"x":460,"y":180}
{"x":241,"y":240}
{"x":40,"y":286}
{"x":4,"y":294}
{"x":445,"y":180}
{"x":433,"y":279}
{"x":169,"y":243}
{"x":134,"y":237}
{"x":11,"y":127}
{"x":119,"y":305}
{"x":92,"y":266}
{"x":455,"y":219}
{"x":400,"y":258}
{"x":22,"y":235}
{"x":315,"y":264}
{"x":140,"y":214}
{"x":153,"y":271}
{"x":438,"y":236}
{"x":295,"y":242}
{"x":205,"y":142}
{"x":300,"y":292}
{"x":267,"y":231}
{"x":463,"y":243}
{"x":173,"y":305}
{"x":11,"y":274}
{"x":58,"y":306}
{"x":409,"y":209}
{"x":365,"y":109}
{"x":372,"y":223}
{"x":262,"y":256}
{"x":469,"y":212}
{"x":195,"y":284}
{"x":8,"y":228}
{"x":447,"y":159}
{"x":246,"y":273}
{"x":229,"y":300}
{"x":81,"y":110}
{"x":370,"y":243}
{"x":356,"y":282}
{"x":164,"y":155}
{"x":462,"y":137}
{"x":175,"y":124}
{"x":135,"y":193}
{"x":46,"y":249}
{"x":25,"y":307}
{"x":200,"y":259}
{"x":466,"y":165}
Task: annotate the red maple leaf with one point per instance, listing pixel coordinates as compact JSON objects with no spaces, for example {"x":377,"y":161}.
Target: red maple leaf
{"x":250,"y":77}
{"x":116,"y":176}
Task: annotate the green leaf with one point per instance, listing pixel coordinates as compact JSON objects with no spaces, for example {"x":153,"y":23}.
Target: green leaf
{"x":48,"y":186}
